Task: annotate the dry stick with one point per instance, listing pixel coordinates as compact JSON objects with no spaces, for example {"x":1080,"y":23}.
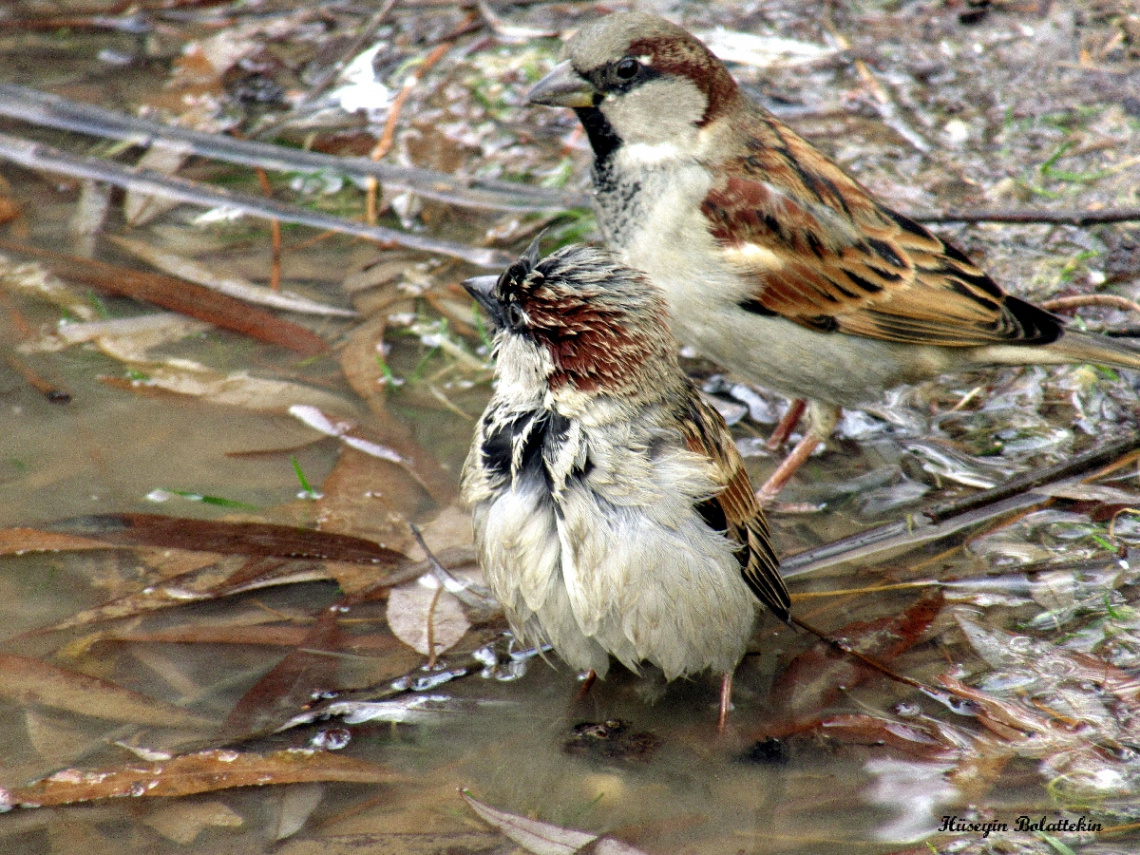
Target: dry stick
{"x":33,"y":155}
{"x":275,"y":235}
{"x":54,"y":392}
{"x":1099,"y":456}
{"x":51,"y":391}
{"x":945,"y":518}
{"x":874,"y":664}
{"x":372,"y":186}
{"x":1113,"y":301}
{"x":43,"y":109}
{"x":1021,"y":215}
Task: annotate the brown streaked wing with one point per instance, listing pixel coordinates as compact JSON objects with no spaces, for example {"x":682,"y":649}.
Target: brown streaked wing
{"x":706,"y":434}
{"x":825,"y":255}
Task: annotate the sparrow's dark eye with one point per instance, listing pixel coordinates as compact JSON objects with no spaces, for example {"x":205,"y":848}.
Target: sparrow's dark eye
{"x":516,"y":317}
{"x":627,"y":69}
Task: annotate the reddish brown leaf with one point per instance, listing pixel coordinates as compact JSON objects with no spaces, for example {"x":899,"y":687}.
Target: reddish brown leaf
{"x":17,"y":541}
{"x":9,"y":210}
{"x":914,"y":739}
{"x":816,"y":677}
{"x":180,"y":296}
{"x":255,"y":539}
{"x":203,"y":772}
{"x":291,"y":683}
{"x":30,"y":681}
{"x":1010,"y":720}
{"x":269,"y":636}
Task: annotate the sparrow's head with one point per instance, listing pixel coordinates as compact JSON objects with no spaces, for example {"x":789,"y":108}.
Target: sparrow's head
{"x":577,"y":320}
{"x":636,"y":78}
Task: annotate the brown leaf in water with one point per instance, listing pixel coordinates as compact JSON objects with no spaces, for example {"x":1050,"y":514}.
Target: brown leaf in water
{"x":209,"y":582}
{"x":395,"y":843}
{"x":816,"y":677}
{"x":9,"y":209}
{"x":281,"y":693}
{"x":373,"y":497}
{"x":911,"y":738}
{"x":30,"y":681}
{"x":423,"y":617}
{"x":545,"y":838}
{"x":361,"y":360}
{"x":269,"y":636}
{"x":203,"y":772}
{"x":1009,"y":720}
{"x":232,"y":538}
{"x":18,"y":541}
{"x":180,"y":296}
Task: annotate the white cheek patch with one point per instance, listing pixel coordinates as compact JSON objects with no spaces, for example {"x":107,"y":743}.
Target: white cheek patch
{"x":659,"y":111}
{"x":649,"y":154}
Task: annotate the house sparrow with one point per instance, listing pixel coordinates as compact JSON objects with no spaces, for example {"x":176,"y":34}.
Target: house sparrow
{"x":777,"y":264}
{"x":612,"y":512}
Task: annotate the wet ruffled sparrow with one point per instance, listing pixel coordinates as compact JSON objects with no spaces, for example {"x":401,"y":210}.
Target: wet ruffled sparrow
{"x":612,"y":512}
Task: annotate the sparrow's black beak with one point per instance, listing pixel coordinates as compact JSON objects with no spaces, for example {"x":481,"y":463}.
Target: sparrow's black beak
{"x":563,"y":87}
{"x":482,"y":288}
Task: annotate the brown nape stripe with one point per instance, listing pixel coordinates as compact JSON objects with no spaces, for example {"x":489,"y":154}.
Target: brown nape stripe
{"x":690,"y":59}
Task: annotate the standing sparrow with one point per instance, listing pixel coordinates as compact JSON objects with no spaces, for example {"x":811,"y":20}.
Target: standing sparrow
{"x":775,"y":262}
{"x":612,"y":511}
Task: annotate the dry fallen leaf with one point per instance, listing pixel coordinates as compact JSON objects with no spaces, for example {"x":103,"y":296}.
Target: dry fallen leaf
{"x":182,"y":822}
{"x":544,"y":838}
{"x":232,"y":286}
{"x":203,"y":772}
{"x":30,"y":681}
{"x":420,"y":610}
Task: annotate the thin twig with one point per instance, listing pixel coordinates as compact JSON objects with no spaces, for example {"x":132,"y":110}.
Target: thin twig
{"x":947,"y":518}
{"x":35,"y":155}
{"x":432,"y":658}
{"x":51,"y":391}
{"x":388,"y":136}
{"x":1113,"y":301}
{"x":473,"y":596}
{"x":863,"y":658}
{"x":275,"y":234}
{"x":1022,"y":215}
{"x":43,"y":109}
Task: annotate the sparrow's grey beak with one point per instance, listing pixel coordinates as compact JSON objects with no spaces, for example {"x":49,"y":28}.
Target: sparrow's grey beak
{"x":563,"y":87}
{"x":482,"y":288}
